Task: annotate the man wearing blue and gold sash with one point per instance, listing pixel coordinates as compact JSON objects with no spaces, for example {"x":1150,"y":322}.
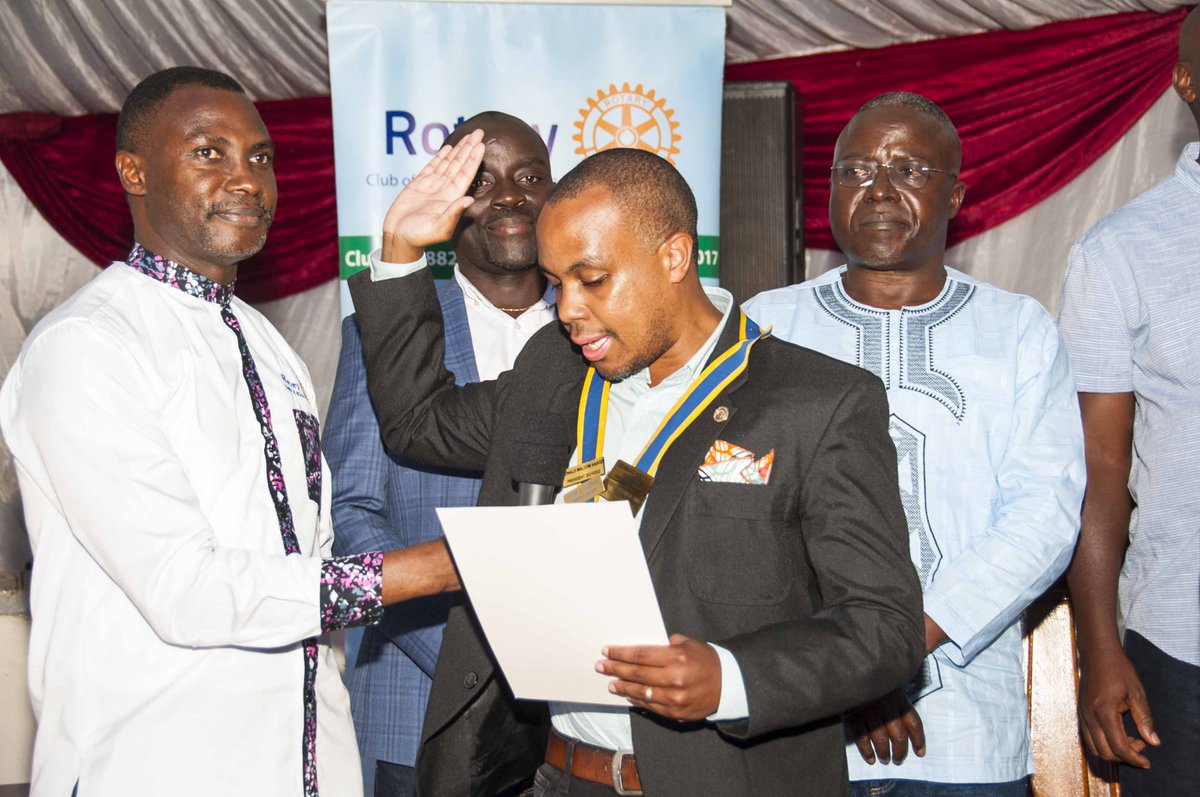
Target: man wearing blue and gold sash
{"x":762,"y":474}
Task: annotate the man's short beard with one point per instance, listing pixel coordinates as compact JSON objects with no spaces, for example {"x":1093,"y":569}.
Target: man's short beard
{"x":233,"y":254}
{"x":515,"y":265}
{"x":515,"y":268}
{"x":656,"y":348}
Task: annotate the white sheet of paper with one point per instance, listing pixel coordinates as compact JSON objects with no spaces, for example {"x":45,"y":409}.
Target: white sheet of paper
{"x":551,"y":585}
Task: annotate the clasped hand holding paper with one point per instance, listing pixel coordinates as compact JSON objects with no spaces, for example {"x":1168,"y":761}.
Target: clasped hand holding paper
{"x":552,"y":585}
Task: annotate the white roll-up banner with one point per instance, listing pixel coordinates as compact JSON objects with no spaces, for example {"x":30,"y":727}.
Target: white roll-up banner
{"x":586,"y":77}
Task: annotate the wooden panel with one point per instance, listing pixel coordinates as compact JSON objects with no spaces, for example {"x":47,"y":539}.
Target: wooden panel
{"x":1052,"y":678}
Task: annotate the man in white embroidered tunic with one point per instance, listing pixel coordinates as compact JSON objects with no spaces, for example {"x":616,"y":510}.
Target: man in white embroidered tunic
{"x":168,"y":450}
{"x":987,"y":432}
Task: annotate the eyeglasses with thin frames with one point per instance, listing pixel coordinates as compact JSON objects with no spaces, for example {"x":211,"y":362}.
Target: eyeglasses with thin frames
{"x":911,"y":174}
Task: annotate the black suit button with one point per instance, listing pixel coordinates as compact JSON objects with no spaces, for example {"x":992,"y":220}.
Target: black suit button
{"x":471,"y":680}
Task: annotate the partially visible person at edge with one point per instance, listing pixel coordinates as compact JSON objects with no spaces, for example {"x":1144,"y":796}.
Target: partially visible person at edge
{"x":496,"y":301}
{"x":168,"y":451}
{"x":1130,"y":300}
{"x":773,"y":528}
{"x":990,"y":447}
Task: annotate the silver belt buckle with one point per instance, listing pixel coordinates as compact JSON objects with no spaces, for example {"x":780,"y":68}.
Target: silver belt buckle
{"x":618,"y":786}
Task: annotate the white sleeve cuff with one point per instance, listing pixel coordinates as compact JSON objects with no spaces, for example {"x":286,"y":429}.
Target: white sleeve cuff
{"x":734,"y":705}
{"x":381,"y":270}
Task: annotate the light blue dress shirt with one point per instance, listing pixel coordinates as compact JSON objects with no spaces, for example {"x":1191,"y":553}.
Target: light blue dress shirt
{"x":990,"y":453}
{"x":635,"y":409}
{"x":1130,"y":302}
{"x":634,"y":413}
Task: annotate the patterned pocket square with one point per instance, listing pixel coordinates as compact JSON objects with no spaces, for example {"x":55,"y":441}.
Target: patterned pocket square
{"x":732,"y":464}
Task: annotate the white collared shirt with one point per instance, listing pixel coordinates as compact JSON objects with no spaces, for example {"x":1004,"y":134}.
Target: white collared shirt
{"x":164,"y":655}
{"x":496,"y":337}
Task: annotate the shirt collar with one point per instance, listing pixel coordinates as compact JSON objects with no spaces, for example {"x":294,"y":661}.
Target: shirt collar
{"x":1187,"y":171}
{"x":180,"y":277}
{"x":473,"y":294}
{"x":835,"y":276}
{"x":640,"y":382}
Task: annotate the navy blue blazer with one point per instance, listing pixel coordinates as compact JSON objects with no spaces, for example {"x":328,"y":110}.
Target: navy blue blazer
{"x":381,"y":502}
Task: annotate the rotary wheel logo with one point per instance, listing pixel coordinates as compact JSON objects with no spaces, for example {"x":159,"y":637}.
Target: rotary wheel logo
{"x":625,"y":117}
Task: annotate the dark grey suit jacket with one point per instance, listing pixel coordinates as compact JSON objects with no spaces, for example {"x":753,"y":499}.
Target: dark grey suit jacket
{"x":807,"y":580}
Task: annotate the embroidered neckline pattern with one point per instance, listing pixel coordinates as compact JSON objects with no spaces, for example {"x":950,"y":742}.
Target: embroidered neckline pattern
{"x":178,"y":276}
{"x":917,"y":371}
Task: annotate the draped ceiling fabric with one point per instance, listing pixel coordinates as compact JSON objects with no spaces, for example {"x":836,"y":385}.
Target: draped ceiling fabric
{"x":1033,"y":108}
{"x":65,"y":165}
{"x":74,"y":57}
{"x":71,"y":58}
{"x":762,"y":29}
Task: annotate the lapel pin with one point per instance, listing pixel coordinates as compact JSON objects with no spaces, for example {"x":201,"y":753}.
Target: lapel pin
{"x":721,"y":414}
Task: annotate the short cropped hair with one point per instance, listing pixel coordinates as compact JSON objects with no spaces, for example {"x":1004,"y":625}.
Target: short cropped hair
{"x":651,"y":192}
{"x":915,"y":102}
{"x":144,"y":101}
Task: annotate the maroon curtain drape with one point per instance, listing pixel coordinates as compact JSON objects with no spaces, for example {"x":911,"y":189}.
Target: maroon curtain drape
{"x":1034,"y":108}
{"x":65,"y":166}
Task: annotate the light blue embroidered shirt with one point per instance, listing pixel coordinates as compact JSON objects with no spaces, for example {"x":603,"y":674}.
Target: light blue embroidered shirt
{"x":1130,"y":301}
{"x":990,"y":452}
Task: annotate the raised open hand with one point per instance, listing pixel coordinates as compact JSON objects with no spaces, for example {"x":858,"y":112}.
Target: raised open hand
{"x":429,"y":207}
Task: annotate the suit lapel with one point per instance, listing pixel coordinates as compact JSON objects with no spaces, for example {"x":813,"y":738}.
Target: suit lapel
{"x":685,"y":456}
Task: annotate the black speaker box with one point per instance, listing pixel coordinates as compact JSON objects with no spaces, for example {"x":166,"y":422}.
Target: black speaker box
{"x":762,"y":232}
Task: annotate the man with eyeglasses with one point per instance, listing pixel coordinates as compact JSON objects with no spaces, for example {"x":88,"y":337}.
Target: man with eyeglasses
{"x":988,"y":439}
